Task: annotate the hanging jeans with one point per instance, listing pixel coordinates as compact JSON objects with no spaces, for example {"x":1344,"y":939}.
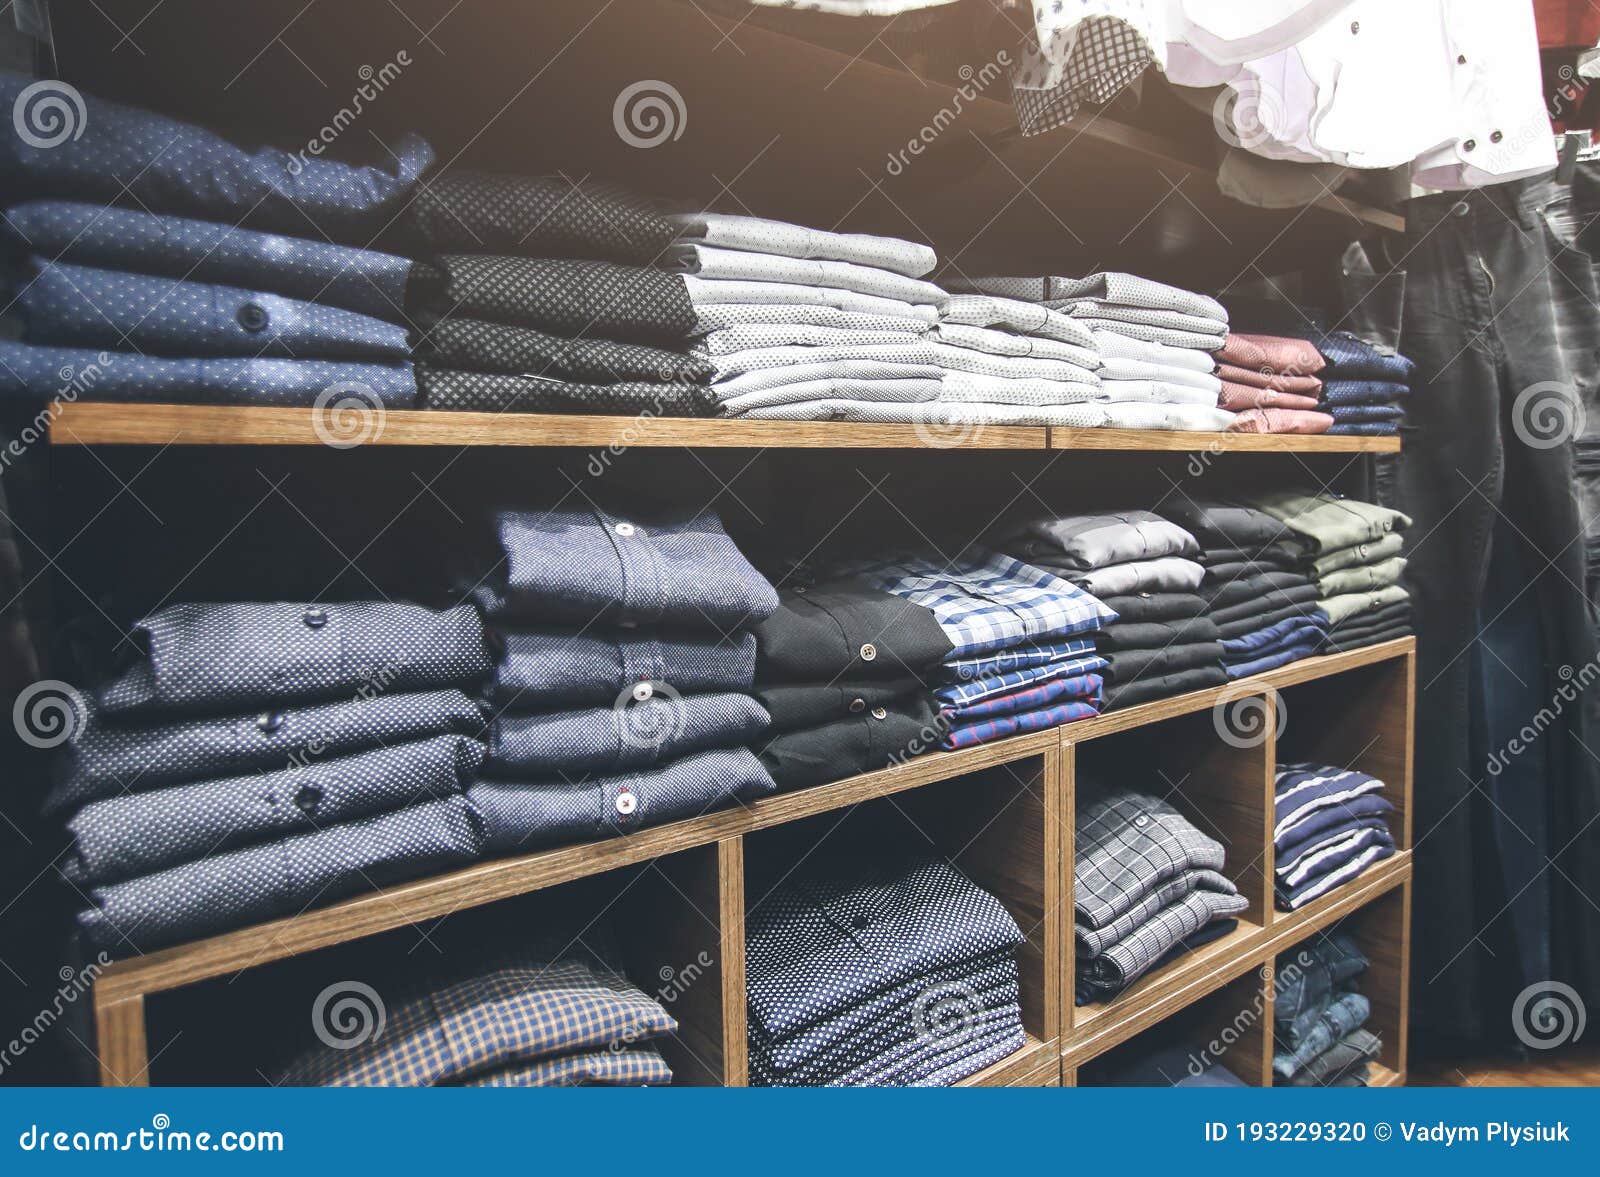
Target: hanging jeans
{"x":1488,"y":439}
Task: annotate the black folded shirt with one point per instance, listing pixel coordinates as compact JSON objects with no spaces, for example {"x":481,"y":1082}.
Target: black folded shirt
{"x":450,"y":390}
{"x":1142,"y":690}
{"x":1155,"y":606}
{"x":847,"y":629}
{"x":476,"y":345}
{"x":876,"y":738}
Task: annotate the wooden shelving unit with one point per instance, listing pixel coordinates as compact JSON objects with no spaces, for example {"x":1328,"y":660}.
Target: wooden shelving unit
{"x":1002,"y":812}
{"x":765,"y":105}
{"x":85,"y":423}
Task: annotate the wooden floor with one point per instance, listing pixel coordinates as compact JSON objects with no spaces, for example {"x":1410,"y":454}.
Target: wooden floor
{"x":1562,"y":1068}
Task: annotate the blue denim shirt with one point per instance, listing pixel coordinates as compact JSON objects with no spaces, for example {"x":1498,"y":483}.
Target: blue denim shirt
{"x":79,"y":306}
{"x":118,"y":153}
{"x":362,"y":280}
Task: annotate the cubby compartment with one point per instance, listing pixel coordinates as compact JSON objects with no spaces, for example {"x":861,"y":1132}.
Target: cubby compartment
{"x":1379,"y":930}
{"x":1000,"y":827}
{"x":658,"y":923}
{"x":1230,"y":1029}
{"x":1219,"y":781}
{"x":1362,"y":720}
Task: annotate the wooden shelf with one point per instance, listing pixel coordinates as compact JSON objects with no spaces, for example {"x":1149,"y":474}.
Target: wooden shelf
{"x":82,"y":423}
{"x":1019,"y":1070}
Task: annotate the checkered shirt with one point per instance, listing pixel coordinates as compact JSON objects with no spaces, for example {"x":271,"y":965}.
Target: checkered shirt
{"x":1015,"y":658}
{"x":963,"y":694}
{"x":519,"y":1012}
{"x":1000,"y":726}
{"x":1128,"y":844}
{"x":987,"y":601}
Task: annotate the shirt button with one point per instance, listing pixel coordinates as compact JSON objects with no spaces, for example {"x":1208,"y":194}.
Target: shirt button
{"x":879,"y":713}
{"x":869,"y":652}
{"x":1461,"y":59}
{"x":624,"y":530}
{"x":1355,"y":26}
{"x":642,"y":691}
{"x":859,"y":921}
{"x":857,"y":706}
{"x":306,"y":798}
{"x":269,"y":721}
{"x":1495,"y":136}
{"x":1469,"y":144}
{"x":1460,"y":208}
{"x":626,"y":803}
{"x":252,"y":316}
{"x":1141,"y":821}
{"x":315,"y":618}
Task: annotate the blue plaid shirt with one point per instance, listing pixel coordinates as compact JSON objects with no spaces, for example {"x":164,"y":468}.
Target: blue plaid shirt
{"x":962,"y":694}
{"x":1000,"y":726}
{"x":988,"y":601}
{"x":1016,"y":658}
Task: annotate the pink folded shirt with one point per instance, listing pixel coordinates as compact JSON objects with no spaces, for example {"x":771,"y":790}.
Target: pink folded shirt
{"x":1240,"y":397}
{"x":1277,"y":381}
{"x":1271,"y":353}
{"x":1280,"y":421}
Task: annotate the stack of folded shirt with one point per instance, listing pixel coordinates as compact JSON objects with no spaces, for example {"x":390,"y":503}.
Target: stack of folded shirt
{"x":1264,"y":607}
{"x":1352,"y":550}
{"x":622,"y":692}
{"x":1272,"y":383}
{"x":866,"y":972}
{"x":1142,"y":568}
{"x":254,"y":760}
{"x":1319,"y":1018}
{"x":207,"y":288}
{"x":801,"y":324}
{"x":843,"y":669}
{"x":1329,"y":825}
{"x":1147,"y":887}
{"x":1015,"y":362}
{"x":1364,"y":388}
{"x":540,"y":295}
{"x":1155,"y":344}
{"x":551,"y":1015}
{"x":1021,"y":656}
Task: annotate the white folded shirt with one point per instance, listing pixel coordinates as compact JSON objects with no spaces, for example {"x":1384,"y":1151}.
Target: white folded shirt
{"x":1166,"y":336}
{"x":1115,"y":369}
{"x":1028,"y":318}
{"x":1157,"y":391}
{"x":1111,"y":345}
{"x":964,"y":387}
{"x":1099,"y":309}
{"x":1007,"y":343}
{"x":1110,"y":286}
{"x":898,"y":391}
{"x":826,"y":370}
{"x":980,"y":363}
{"x":718,"y":316}
{"x":740,"y":362}
{"x":947,"y":423}
{"x":706,"y":292}
{"x":738,"y":265}
{"x":758,"y":235}
{"x":754,"y":336}
{"x":1144,"y":415}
